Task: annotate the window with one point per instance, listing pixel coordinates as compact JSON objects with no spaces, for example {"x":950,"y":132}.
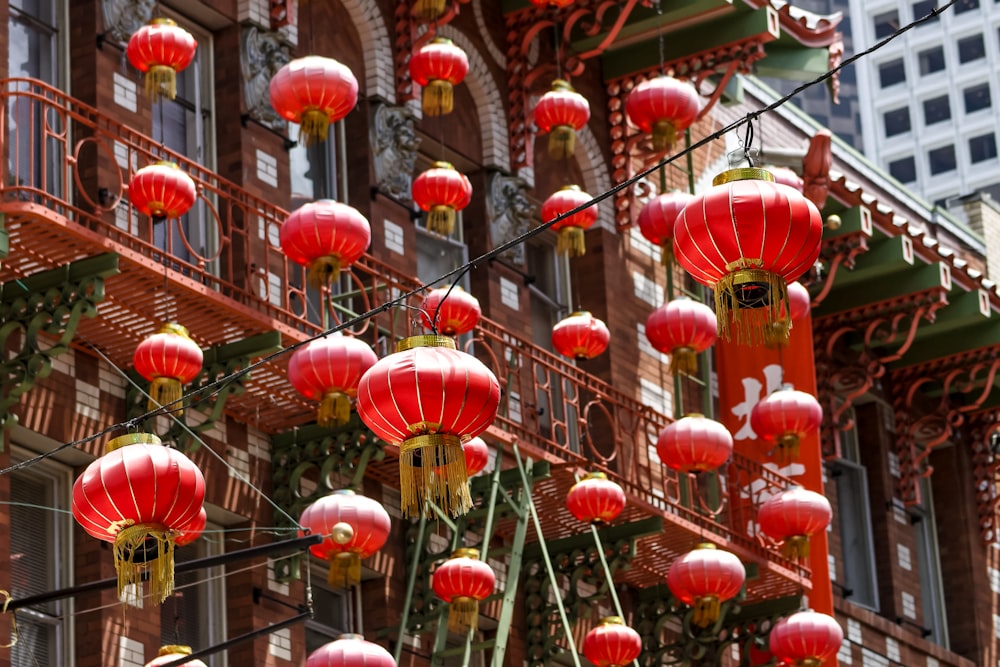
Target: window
{"x":971,"y":48}
{"x":942,"y":159}
{"x":983,"y":147}
{"x":963,"y":6}
{"x":929,"y":565}
{"x":904,"y":169}
{"x":931,"y":60}
{"x":891,"y":73}
{"x":331,"y":614}
{"x":313,"y":169}
{"x":923,"y":8}
{"x":936,"y":110}
{"x":977,"y":97}
{"x":896,"y":121}
{"x":886,"y":24}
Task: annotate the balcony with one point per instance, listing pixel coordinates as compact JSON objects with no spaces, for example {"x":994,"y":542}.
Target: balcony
{"x":221,"y":273}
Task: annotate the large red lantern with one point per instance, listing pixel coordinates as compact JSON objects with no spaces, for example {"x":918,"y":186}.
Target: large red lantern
{"x":450,"y":311}
{"x":325,"y":236}
{"x":805,"y":639}
{"x":428,"y":398}
{"x":561,"y":112}
{"x":792,"y":517}
{"x":694,"y":443}
{"x":328,"y":370}
{"x":353,"y":526}
{"x":168,"y":359}
{"x":438,"y":67}
{"x":571,"y":228}
{"x":171,"y":653}
{"x":463,"y":581}
{"x":313,"y":91}
{"x":612,"y":643}
{"x":350,"y":650}
{"x":477,"y":455}
{"x":160,"y":50}
{"x":785,"y":417}
{"x":682,"y":328}
{"x":662,"y":106}
{"x":595,"y":499}
{"x":162,"y":190}
{"x":580,"y":336}
{"x":190,"y":532}
{"x":441,"y":191}
{"x":746,"y":238}
{"x":137,"y":496}
{"x":656,"y":220}
{"x":704,"y":579}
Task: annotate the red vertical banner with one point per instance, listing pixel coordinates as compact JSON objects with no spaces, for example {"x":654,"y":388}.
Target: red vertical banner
{"x":745,"y":376}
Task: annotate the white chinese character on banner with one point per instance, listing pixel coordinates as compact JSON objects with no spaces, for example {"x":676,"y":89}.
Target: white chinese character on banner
{"x":773,"y":376}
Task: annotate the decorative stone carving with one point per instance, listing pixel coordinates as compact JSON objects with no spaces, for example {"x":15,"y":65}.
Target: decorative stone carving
{"x":124,"y":17}
{"x":262,"y":54}
{"x":510,"y":212}
{"x":394,"y":142}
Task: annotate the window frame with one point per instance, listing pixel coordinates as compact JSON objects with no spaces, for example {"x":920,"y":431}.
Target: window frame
{"x":891,"y":66}
{"x":975,"y":89}
{"x":933,"y":111}
{"x":913,"y":161}
{"x":968,"y":39}
{"x":923,"y":57}
{"x":886,"y":121}
{"x":972,"y":158}
{"x":930,"y":159}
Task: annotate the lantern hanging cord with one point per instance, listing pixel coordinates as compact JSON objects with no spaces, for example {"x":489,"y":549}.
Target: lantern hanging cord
{"x":221,"y":383}
{"x":659,"y":34}
{"x":437,"y":310}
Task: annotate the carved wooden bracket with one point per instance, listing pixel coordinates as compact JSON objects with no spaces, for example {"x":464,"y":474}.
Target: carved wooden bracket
{"x":984,"y":440}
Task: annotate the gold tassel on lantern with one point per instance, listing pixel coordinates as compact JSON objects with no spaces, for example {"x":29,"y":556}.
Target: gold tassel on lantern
{"x":438,"y":98}
{"x":463,"y":614}
{"x":164,"y":391}
{"x":572,"y":242}
{"x":345,"y":570}
{"x":161,"y":81}
{"x":706,"y":611}
{"x":777,"y":333}
{"x":664,"y":135}
{"x":562,"y":142}
{"x":314,"y":126}
{"x":667,"y":253}
{"x":796,"y":547}
{"x":683,"y":360}
{"x":145,"y":549}
{"x":429,"y":9}
{"x":441,"y":219}
{"x":323,"y":271}
{"x":433,"y":466}
{"x":787,"y":450}
{"x":748,"y":301}
{"x":334,"y":410}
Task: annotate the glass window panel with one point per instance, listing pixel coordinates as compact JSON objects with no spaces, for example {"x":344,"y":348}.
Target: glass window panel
{"x":936,"y":110}
{"x":904,"y":169}
{"x":962,"y":6}
{"x":983,"y":147}
{"x":931,"y":60}
{"x":897,"y":121}
{"x":977,"y":97}
{"x":886,"y":24}
{"x":942,"y":159}
{"x":891,"y":73}
{"x":971,"y":48}
{"x":923,"y":8}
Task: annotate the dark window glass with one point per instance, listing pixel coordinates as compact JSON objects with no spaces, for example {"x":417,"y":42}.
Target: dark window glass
{"x":942,"y":159}
{"x":886,"y":24}
{"x":923,"y":8}
{"x":897,"y":121}
{"x":931,"y":60}
{"x":971,"y":48}
{"x":983,"y":147}
{"x":963,"y":6}
{"x":977,"y":97}
{"x":904,"y":169}
{"x":891,"y":73}
{"x":936,"y":110}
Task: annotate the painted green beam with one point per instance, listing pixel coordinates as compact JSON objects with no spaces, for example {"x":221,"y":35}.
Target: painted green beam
{"x":854,"y":220}
{"x":611,"y":534}
{"x":930,"y":348}
{"x":102,"y":266}
{"x":964,"y":310}
{"x":254,"y":346}
{"x":884,"y":286}
{"x":645,"y":21}
{"x":793,"y":62}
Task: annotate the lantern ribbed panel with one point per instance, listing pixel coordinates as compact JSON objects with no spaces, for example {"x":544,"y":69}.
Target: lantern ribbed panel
{"x":664,"y":106}
{"x":796,"y":512}
{"x":162,"y":190}
{"x":171,"y":653}
{"x":439,"y":60}
{"x":168,"y":354}
{"x":561,"y":106}
{"x":161,"y":43}
{"x":367,"y":517}
{"x":786,"y":176}
{"x":325,"y":228}
{"x":786,"y":412}
{"x":442,"y":185}
{"x":612,"y":644}
{"x":706,"y":572}
{"x":805,"y":635}
{"x":190,"y":532}
{"x":477,"y":455}
{"x":681,"y":323}
{"x":350,"y":651}
{"x":580,"y":336}
{"x":799,"y":301}
{"x":330,"y":364}
{"x":567,"y":199}
{"x":657,"y":216}
{"x":595,"y":499}
{"x":313,"y":83}
{"x":463,"y":576}
{"x":694,"y":444}
{"x":455,"y":313}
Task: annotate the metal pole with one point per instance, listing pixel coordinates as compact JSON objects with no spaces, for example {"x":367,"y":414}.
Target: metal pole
{"x":410,"y":584}
{"x":253,"y":634}
{"x":607,"y":575}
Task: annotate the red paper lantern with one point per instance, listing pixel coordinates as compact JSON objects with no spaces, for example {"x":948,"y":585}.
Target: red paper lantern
{"x":428,"y":398}
{"x":580,"y":336}
{"x":160,"y":50}
{"x":784,"y":418}
{"x":313,"y":91}
{"x":138,"y":495}
{"x":556,"y":4}
{"x":656,"y":221}
{"x":595,"y":499}
{"x":326,"y":237}
{"x":438,"y":67}
{"x":328,"y":370}
{"x":168,"y":360}
{"x":612,"y":643}
{"x":441,"y":191}
{"x":450,"y":311}
{"x":561,"y":112}
{"x":350,"y":650}
{"x":806,"y":639}
{"x":799,"y":301}
{"x":704,"y":579}
{"x":746,"y":238}
{"x":694,"y":443}
{"x":792,"y":517}
{"x":172,"y":652}
{"x":190,"y":532}
{"x":162,"y":190}
{"x":571,"y":228}
{"x":682,"y":328}
{"x":662,"y":106}
{"x":477,"y":455}
{"x":354,"y":527}
{"x":786,"y":176}
{"x":463,"y":581}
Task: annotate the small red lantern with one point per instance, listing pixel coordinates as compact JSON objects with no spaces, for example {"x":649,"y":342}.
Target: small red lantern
{"x":354,"y":527}
{"x":799,"y":301}
{"x":328,"y":370}
{"x":477,"y":455}
{"x":325,"y":236}
{"x":171,"y":653}
{"x":561,"y":112}
{"x":595,"y":499}
{"x":428,"y":398}
{"x":682,"y":328}
{"x":463,"y":581}
{"x":555,"y":4}
{"x":799,"y":305}
{"x":441,"y":191}
{"x":438,"y":67}
{"x":350,"y":650}
{"x":704,"y":579}
{"x":793,"y":516}
{"x":137,"y":496}
{"x":612,"y":643}
{"x":160,"y":50}
{"x":190,"y":532}
{"x":805,"y":639}
{"x":694,"y":443}
{"x":313,"y":91}
{"x":162,"y":190}
{"x":722,"y":240}
{"x":450,"y":311}
{"x":580,"y":336}
{"x":571,"y":228}
{"x":663,"y":106}
{"x":786,"y":176}
{"x":656,"y":221}
{"x":168,"y":359}
{"x":784,"y":418}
